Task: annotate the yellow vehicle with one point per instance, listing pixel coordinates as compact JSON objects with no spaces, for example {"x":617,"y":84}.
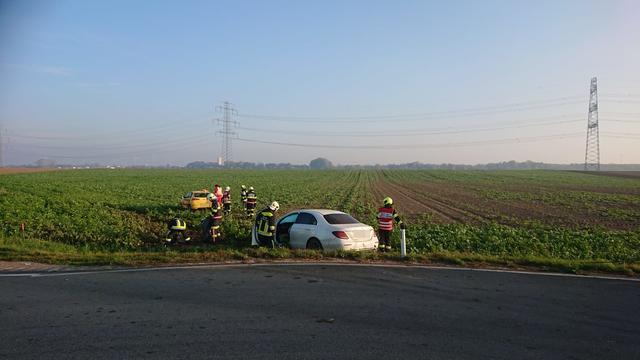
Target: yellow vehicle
{"x":196,"y":200}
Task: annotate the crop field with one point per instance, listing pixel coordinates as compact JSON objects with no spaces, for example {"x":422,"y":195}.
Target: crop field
{"x":546,"y":214}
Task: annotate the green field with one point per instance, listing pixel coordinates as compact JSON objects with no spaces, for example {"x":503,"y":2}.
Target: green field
{"x":499,"y":216}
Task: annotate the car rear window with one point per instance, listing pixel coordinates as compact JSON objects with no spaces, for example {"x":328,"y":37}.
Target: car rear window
{"x":340,"y":219}
{"x":199,"y":195}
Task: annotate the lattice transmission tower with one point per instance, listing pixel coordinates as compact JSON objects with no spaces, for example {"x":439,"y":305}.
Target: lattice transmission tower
{"x":592,"y":152}
{"x":227,"y":122}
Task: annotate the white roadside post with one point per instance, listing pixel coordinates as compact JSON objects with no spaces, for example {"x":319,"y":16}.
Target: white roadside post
{"x":254,"y":242}
{"x":403,"y":243}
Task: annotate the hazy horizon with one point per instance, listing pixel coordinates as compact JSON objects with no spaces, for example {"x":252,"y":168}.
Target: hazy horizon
{"x":361,"y":82}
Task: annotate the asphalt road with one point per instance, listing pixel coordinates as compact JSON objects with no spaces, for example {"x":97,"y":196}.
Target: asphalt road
{"x":318,"y":312}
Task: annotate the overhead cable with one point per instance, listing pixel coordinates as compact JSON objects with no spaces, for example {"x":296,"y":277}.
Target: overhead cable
{"x":515,"y":107}
{"x":419,"y":146}
{"x":416,"y":132}
{"x":161,"y":149}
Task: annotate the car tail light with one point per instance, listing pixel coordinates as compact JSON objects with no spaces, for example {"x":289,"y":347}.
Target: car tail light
{"x":341,"y":235}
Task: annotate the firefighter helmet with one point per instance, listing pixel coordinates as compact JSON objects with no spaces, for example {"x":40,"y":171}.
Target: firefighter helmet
{"x":227,"y":188}
{"x":211,"y":197}
{"x":274,"y":206}
{"x":251,"y":188}
{"x":387,"y":201}
{"x":243,"y":187}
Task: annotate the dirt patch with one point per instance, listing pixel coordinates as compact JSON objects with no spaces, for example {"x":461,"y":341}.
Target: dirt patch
{"x":622,"y":174}
{"x":23,"y":170}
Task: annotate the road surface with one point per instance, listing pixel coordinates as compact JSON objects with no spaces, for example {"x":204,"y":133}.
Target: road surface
{"x":317,"y":312}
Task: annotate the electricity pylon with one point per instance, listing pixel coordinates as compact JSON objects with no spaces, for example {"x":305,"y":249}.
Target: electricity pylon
{"x":227,"y":133}
{"x":592,"y":152}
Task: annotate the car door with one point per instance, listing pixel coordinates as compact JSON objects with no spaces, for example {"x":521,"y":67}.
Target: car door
{"x":283,"y":227}
{"x":304,"y":228}
{"x":186,"y":199}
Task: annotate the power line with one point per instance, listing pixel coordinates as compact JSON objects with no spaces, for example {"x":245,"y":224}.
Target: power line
{"x":432,"y":131}
{"x":183,"y":141}
{"x":176,"y":141}
{"x":416,"y":132}
{"x":620,"y":133}
{"x":420,"y":146}
{"x":190,"y":140}
{"x":621,"y":120}
{"x":420,"y":131}
{"x":228,"y":124}
{"x":420,"y":116}
{"x":124,"y":133}
{"x":620,"y":95}
{"x":622,"y":113}
{"x":621,"y":101}
{"x":155,"y":149}
{"x":623,"y":137}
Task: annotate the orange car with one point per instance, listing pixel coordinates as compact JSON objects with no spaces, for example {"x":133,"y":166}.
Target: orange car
{"x":196,"y":200}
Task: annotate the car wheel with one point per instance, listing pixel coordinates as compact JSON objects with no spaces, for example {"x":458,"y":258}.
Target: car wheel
{"x":314,"y":244}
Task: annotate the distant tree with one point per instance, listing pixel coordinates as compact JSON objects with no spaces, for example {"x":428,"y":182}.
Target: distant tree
{"x":200,"y":165}
{"x":320,"y":163}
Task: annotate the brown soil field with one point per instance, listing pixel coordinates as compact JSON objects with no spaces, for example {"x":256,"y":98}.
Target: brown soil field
{"x":469,"y":203}
{"x":624,"y":174}
{"x":426,"y":198}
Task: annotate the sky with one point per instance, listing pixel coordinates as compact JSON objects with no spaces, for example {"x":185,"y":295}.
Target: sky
{"x":357,"y":82}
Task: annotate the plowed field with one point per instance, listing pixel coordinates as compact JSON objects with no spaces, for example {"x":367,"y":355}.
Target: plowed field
{"x":571,"y":200}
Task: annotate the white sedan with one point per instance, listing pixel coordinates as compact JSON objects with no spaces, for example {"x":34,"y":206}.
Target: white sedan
{"x":324,"y":230}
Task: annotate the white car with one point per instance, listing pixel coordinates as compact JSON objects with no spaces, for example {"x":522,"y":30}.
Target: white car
{"x":324,"y":230}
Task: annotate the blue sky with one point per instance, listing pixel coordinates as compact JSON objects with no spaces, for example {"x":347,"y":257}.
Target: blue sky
{"x":124,"y":82}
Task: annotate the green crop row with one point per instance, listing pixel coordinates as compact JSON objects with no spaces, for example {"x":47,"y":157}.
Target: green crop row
{"x":500,"y":240}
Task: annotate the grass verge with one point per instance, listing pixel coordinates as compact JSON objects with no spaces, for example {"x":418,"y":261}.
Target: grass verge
{"x":42,"y":251}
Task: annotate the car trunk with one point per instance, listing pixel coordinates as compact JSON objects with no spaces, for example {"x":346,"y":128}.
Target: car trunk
{"x":357,"y":232}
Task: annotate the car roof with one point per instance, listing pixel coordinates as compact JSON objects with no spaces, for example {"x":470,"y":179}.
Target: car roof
{"x":320,"y":211}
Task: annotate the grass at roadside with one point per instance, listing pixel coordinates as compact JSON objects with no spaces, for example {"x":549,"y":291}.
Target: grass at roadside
{"x":43,"y":251}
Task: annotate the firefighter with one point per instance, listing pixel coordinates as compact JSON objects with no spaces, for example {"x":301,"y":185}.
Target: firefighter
{"x":176,"y":230}
{"x":250,"y":204}
{"x":265,"y":226}
{"x":243,"y":196}
{"x":211,"y":226}
{"x":386,"y":215}
{"x":217,"y":191}
{"x":226,"y":200}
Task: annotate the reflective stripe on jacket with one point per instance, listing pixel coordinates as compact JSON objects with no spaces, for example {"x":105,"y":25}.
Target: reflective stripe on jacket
{"x":265,"y":223}
{"x":386,"y":215}
{"x":178,"y":224}
{"x":216,"y":215}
